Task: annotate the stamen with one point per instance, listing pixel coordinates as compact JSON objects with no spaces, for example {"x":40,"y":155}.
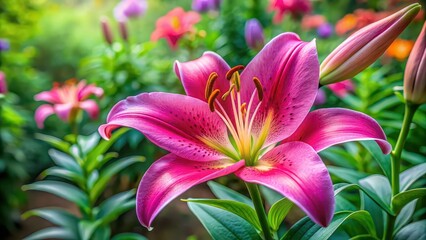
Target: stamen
{"x":225,"y":95}
{"x":236,"y":80}
{"x":210,"y":82}
{"x":259,"y":88}
{"x":233,"y":70}
{"x":211,"y":99}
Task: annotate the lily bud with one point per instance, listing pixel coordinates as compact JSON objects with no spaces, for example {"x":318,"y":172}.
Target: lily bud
{"x":415,"y":71}
{"x":3,"y":85}
{"x":106,"y":30}
{"x":365,"y":46}
{"x":254,"y":34}
{"x":123,"y":30}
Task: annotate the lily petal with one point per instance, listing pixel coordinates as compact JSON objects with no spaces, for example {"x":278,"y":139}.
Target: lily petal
{"x":169,"y":177}
{"x":288,"y":70}
{"x":180,"y":124}
{"x":42,"y":113}
{"x":296,"y":171}
{"x":63,"y":110}
{"x":194,"y":75}
{"x":48,"y":96}
{"x":326,"y":127}
{"x":84,"y":91}
{"x":91,"y":107}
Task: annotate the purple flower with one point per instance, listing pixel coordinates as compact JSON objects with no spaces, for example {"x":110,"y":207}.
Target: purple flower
{"x":325,"y":30}
{"x":254,"y":34}
{"x":205,"y":5}
{"x":321,"y":98}
{"x":256,"y":125}
{"x":129,"y":9}
{"x":4,"y":45}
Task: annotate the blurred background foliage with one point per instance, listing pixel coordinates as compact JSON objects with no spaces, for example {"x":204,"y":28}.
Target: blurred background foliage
{"x":52,"y":41}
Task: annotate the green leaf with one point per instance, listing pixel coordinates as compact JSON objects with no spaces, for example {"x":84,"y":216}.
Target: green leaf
{"x":92,"y":160}
{"x":411,"y":175}
{"x":87,"y":228}
{"x":65,"y":161}
{"x":222,"y":225}
{"x":405,"y":215}
{"x":402,"y":199}
{"x":54,"y":142}
{"x":108,"y":172}
{"x":56,"y":216}
{"x":278,"y":212}
{"x":223,"y":192}
{"x":349,"y":175}
{"x":129,"y":236}
{"x":306,"y":229}
{"x":66,"y":174}
{"x":114,"y":206}
{"x":364,"y":237}
{"x":413,"y":231}
{"x":238,"y":208}
{"x":102,"y":232}
{"x":61,"y":189}
{"x":382,"y":159}
{"x":378,"y":188}
{"x":87,"y":143}
{"x":271,"y":196}
{"x":376,"y":212}
{"x":52,"y":232}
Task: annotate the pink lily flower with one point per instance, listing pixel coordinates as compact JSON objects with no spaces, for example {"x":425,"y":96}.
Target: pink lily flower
{"x":256,"y":125}
{"x":174,"y":25}
{"x":341,"y":89}
{"x":3,"y":84}
{"x":66,"y":101}
{"x":295,"y":7}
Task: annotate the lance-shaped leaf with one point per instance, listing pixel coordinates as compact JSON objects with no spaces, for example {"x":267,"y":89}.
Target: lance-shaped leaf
{"x":403,"y":198}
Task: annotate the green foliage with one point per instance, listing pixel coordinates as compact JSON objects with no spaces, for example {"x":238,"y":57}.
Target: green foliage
{"x":82,"y":173}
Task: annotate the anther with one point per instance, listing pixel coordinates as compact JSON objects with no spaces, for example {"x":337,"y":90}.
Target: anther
{"x":233,"y":70}
{"x":211,"y":99}
{"x":210,"y":82}
{"x":225,"y":95}
{"x":243,"y":108}
{"x":259,"y":88}
{"x":236,"y":80}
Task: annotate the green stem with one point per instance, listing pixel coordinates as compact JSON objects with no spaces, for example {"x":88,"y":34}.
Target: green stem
{"x":260,"y":210}
{"x":410,"y":109}
{"x":396,"y":153}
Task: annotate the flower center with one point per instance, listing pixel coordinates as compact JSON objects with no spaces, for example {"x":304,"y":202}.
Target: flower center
{"x":242,"y":117}
{"x":175,"y":22}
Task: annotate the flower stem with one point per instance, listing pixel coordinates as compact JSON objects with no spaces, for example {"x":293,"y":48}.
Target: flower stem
{"x":396,"y":153}
{"x":410,"y":109}
{"x":260,"y":210}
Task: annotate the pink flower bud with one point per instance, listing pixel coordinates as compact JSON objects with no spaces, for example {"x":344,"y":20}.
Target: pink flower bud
{"x":106,"y":30}
{"x":3,"y":85}
{"x":365,"y":46}
{"x":415,"y":71}
{"x":123,"y":30}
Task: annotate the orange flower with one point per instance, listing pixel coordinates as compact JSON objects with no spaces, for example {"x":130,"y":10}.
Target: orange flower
{"x":400,"y":49}
{"x":174,"y":25}
{"x":346,"y":24}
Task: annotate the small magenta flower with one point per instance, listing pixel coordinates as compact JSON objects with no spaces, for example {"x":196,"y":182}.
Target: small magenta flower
{"x":67,"y":100}
{"x":106,"y":30}
{"x":203,"y":6}
{"x":130,"y":9}
{"x":415,"y":71}
{"x":341,"y":89}
{"x":174,"y":25}
{"x":253,"y":33}
{"x":255,"y":124}
{"x":294,"y":7}
{"x":325,"y":30}
{"x":4,"y":45}
{"x":364,"y":46}
{"x":3,"y":84}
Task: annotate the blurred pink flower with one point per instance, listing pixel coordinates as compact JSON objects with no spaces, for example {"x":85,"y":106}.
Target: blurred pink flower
{"x":294,"y":7}
{"x":3,"y":84}
{"x":341,"y":89}
{"x":67,"y":100}
{"x":274,"y":140}
{"x":321,"y":97}
{"x":253,"y":33}
{"x":174,"y":25}
{"x":312,"y":21}
{"x":129,"y":9}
